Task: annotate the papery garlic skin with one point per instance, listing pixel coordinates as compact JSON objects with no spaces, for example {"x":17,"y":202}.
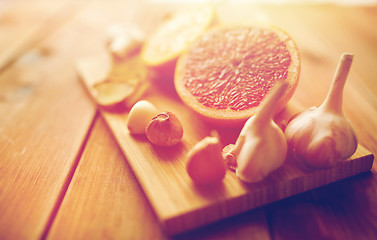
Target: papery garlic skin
{"x":321,"y":139}
{"x":264,"y":151}
{"x":323,"y":136}
{"x":165,"y":129}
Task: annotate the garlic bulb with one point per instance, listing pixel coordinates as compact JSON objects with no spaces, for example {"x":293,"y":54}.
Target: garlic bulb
{"x":323,"y":136}
{"x":261,"y":146}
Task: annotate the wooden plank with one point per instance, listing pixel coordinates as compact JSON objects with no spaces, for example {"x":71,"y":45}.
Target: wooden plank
{"x":104,"y":199}
{"x":343,"y":210}
{"x":183,"y":205}
{"x":44,"y":118}
{"x":24,"y":25}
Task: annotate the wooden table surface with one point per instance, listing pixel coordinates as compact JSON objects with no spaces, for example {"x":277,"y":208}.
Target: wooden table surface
{"x":62,"y":174}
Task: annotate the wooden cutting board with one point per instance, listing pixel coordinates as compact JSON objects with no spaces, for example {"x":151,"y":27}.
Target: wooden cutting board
{"x":179,"y":204}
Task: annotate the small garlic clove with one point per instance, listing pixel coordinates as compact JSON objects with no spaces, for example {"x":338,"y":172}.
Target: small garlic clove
{"x":164,"y":129}
{"x":205,"y":164}
{"x":140,"y":115}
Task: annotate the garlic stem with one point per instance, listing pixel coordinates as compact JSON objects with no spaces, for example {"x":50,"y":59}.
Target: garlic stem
{"x":268,"y":107}
{"x":334,"y":98}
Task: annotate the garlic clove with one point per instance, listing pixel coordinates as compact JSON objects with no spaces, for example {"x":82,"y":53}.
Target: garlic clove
{"x":164,"y":129}
{"x":204,"y":163}
{"x":261,"y":147}
{"x":261,"y":155}
{"x":323,"y":136}
{"x":140,"y":115}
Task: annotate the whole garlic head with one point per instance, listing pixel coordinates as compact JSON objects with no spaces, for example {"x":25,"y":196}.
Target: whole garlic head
{"x":323,"y":136}
{"x":321,"y":139}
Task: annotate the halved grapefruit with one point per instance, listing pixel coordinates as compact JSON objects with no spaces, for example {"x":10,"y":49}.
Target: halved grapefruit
{"x":174,"y":35}
{"x":227,"y":72}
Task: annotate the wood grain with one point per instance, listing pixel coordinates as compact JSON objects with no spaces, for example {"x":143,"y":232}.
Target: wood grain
{"x":104,"y":191}
{"x":24,"y":25}
{"x":342,"y":210}
{"x":43,"y":123}
{"x":184,"y":206}
{"x":45,"y":114}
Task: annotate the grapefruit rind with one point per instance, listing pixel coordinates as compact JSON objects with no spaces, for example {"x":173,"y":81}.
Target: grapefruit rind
{"x":229,"y":117}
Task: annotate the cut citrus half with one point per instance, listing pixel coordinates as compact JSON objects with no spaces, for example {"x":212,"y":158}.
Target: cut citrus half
{"x":227,"y":72}
{"x":173,"y":36}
